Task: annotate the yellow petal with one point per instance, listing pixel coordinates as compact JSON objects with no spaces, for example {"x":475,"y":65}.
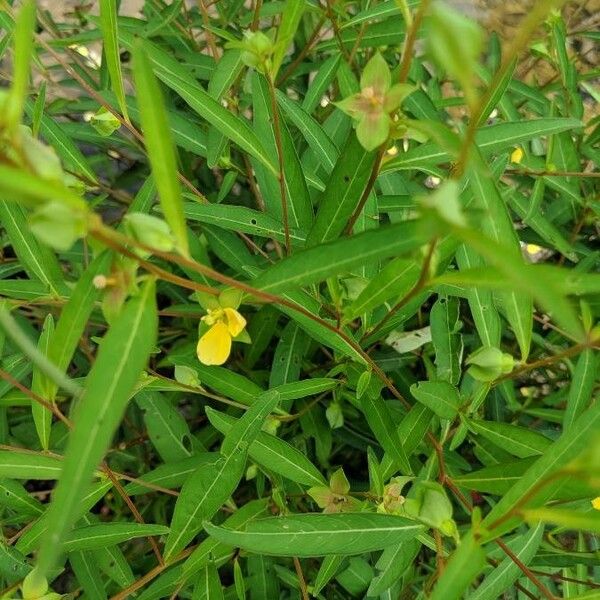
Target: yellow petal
{"x":215,"y":345}
{"x":235,"y":321}
{"x":517,"y":155}
{"x":596,"y":503}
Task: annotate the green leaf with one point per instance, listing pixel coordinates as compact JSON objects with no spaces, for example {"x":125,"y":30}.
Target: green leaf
{"x":23,"y":51}
{"x":123,"y":354}
{"x":380,"y":421}
{"x":159,"y":145}
{"x":568,"y":519}
{"x":455,"y":42}
{"x":439,"y":396}
{"x":329,"y":567}
{"x":110,"y":33}
{"x":210,"y":486}
{"x":541,"y":225}
{"x":245,"y":430}
{"x":71,"y":156}
{"x":291,"y":15}
{"x":24,"y":187}
{"x":14,"y":496}
{"x":392,"y":564}
{"x":307,"y":266}
{"x":167,"y":429}
{"x":306,"y":387}
{"x":39,"y":261}
{"x":84,"y":565}
{"x":298,"y":201}
{"x":581,"y":389}
{"x":497,"y":225}
{"x":222,"y":380}
{"x":108,"y":534}
{"x":312,"y":131}
{"x":485,"y":315}
{"x":345,"y":187}
{"x":464,"y":565}
{"x":273,"y":453}
{"x":311,"y":534}
{"x":507,"y":572}
{"x":211,"y":549}
{"x":13,"y":565}
{"x":519,"y":441}
{"x":495,"y":479}
{"x":509,"y":272}
{"x":40,"y":385}
{"x":494,"y":96}
{"x":289,"y":354}
{"x":321,"y":83}
{"x":241,"y":219}
{"x":235,"y":128}
{"x":21,"y":465}
{"x":492,"y":139}
{"x":74,"y":317}
{"x":394,"y":280}
{"x":447,"y":340}
{"x":31,"y":539}
{"x":526,"y":492}
{"x":169,"y":475}
{"x":208,"y":585}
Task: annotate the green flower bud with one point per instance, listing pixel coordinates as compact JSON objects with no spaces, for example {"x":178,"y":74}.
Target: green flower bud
{"x":257,"y":49}
{"x":58,"y":225}
{"x":104,"y":122}
{"x":335,"y":416}
{"x":41,"y":159}
{"x":34,"y":585}
{"x":186,"y":376}
{"x":430,"y":505}
{"x":150,"y":231}
{"x":489,"y":363}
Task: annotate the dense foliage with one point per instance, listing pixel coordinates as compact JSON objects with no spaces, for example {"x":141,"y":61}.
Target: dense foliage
{"x":298,"y":299}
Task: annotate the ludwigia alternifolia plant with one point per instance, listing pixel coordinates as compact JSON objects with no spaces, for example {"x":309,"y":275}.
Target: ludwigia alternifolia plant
{"x":298,"y":299}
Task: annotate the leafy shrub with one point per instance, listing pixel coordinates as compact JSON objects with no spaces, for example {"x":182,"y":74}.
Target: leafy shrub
{"x":295,"y":304}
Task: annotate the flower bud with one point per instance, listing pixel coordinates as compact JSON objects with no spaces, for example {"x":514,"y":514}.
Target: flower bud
{"x":150,"y":231}
{"x":489,"y":363}
{"x":104,"y":122}
{"x":58,"y":225}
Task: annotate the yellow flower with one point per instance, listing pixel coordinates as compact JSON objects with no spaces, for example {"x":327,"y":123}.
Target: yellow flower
{"x":596,"y":503}
{"x":214,"y":346}
{"x":517,"y":155}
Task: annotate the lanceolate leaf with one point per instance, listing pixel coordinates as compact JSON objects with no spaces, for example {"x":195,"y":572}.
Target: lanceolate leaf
{"x":503,"y":575}
{"x":490,"y":139}
{"x":235,"y":128}
{"x":74,"y":317}
{"x":318,"y":535}
{"x":160,"y":146}
{"x":307,"y":266}
{"x":109,"y":534}
{"x":39,"y":261}
{"x":465,"y":563}
{"x":343,"y":192}
{"x":110,"y":32}
{"x":40,"y":384}
{"x":123,"y":354}
{"x":273,"y":454}
{"x":211,"y":485}
{"x":581,"y":390}
{"x":21,"y":465}
{"x":517,"y":306}
{"x":526,"y":491}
